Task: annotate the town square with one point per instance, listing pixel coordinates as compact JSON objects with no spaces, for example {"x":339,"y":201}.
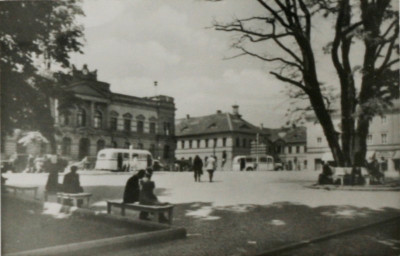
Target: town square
{"x":200,"y":127}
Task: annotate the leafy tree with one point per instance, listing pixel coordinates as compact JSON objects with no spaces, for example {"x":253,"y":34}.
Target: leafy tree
{"x":35,"y":36}
{"x":287,"y":26}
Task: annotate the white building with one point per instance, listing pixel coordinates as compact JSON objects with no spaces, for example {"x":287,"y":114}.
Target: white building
{"x":383,"y":140}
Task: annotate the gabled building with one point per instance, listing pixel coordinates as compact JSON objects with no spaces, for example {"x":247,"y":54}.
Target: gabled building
{"x":223,"y":135}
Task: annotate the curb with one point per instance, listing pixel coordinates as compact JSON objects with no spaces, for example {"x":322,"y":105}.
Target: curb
{"x":296,"y":245}
{"x":127,"y":240}
{"x":163,"y":232}
{"x":86,"y":213}
{"x":353,"y":188}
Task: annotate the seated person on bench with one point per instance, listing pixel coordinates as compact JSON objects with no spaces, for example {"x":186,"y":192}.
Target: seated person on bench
{"x":72,"y":185}
{"x":132,"y":190}
{"x":147,"y":196}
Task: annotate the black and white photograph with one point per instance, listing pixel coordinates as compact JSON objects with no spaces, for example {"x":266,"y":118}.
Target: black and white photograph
{"x":200,"y":127}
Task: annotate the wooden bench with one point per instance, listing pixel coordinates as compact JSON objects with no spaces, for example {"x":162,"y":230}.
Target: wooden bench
{"x":74,"y":197}
{"x":140,"y":207}
{"x":23,"y":188}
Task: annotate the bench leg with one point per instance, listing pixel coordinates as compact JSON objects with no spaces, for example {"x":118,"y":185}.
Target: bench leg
{"x":108,"y":208}
{"x":170,"y":215}
{"x":122,"y":210}
{"x":35,"y":193}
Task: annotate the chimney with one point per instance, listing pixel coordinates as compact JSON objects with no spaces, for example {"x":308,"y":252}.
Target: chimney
{"x":219,"y":112}
{"x":187,"y":116}
{"x":235,"y":110}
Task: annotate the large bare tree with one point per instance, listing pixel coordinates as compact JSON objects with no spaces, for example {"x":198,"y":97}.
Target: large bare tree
{"x":283,"y":35}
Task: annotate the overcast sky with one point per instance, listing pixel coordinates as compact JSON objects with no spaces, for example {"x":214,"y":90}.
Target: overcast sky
{"x":133,"y":43}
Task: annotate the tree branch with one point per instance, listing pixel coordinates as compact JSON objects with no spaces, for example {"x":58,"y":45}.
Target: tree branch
{"x":290,"y":63}
{"x":291,"y":81}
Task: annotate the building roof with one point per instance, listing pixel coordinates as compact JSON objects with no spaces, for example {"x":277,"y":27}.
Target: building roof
{"x":216,"y":123}
{"x":288,"y":135}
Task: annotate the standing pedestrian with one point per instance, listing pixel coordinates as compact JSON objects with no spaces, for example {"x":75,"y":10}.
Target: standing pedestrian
{"x":210,"y":166}
{"x":197,"y":168}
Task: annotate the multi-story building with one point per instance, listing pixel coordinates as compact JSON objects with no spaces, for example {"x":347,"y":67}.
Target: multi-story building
{"x":223,"y":135}
{"x":383,"y":141}
{"x":106,"y":119}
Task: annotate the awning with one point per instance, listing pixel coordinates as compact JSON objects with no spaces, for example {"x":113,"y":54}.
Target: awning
{"x":370,"y":155}
{"x":384,"y":154}
{"x":327,"y":156}
{"x":396,"y":154}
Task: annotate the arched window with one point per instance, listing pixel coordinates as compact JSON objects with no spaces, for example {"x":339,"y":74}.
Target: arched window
{"x":66,"y":146}
{"x":100,"y":145}
{"x":140,"y":127}
{"x":98,"y":119}
{"x":113,"y":120}
{"x":65,"y":118}
{"x":127,"y":122}
{"x":81,"y":117}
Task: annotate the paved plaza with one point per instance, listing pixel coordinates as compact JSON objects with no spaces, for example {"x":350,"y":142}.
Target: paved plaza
{"x":244,"y":213}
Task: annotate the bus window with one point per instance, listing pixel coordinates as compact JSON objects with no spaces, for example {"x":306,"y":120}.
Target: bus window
{"x":263,"y":160}
{"x":102,"y":155}
{"x":249,"y":160}
{"x":126,"y":155}
{"x":135,"y":155}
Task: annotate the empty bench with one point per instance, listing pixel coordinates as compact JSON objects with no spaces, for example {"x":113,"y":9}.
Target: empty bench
{"x":144,"y":208}
{"x":23,"y":188}
{"x":61,"y":197}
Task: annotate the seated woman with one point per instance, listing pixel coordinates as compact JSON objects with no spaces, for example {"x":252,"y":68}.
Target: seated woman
{"x":147,"y":196}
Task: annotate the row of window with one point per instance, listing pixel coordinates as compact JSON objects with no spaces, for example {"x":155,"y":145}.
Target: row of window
{"x":213,"y":143}
{"x":98,"y":122}
{"x":290,"y":149}
{"x":384,"y":139}
{"x":196,"y":143}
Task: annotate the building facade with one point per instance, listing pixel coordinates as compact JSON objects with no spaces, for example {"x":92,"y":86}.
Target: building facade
{"x":223,"y":135}
{"x":286,"y":145}
{"x":383,"y":141}
{"x":104,"y":119}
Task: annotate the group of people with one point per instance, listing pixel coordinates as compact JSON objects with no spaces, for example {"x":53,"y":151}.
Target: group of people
{"x":71,"y":183}
{"x":140,"y":188}
{"x":374,"y":169}
{"x":210,"y":166}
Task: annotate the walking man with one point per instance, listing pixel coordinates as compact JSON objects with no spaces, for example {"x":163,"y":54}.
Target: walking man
{"x":197,"y":168}
{"x":210,"y":166}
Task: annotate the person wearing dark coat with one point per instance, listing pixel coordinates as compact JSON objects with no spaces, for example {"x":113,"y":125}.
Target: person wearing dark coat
{"x":326,"y":176}
{"x":197,"y":168}
{"x":147,"y":196}
{"x":132,"y":188}
{"x":71,"y":182}
{"x":52,"y":181}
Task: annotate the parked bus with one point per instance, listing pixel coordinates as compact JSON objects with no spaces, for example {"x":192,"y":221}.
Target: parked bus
{"x":250,"y":163}
{"x":119,"y":159}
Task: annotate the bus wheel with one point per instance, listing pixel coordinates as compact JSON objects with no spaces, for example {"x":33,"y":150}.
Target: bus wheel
{"x":249,"y":169}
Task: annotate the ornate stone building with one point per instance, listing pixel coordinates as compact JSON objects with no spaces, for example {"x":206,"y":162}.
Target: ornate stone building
{"x":103,"y":119}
